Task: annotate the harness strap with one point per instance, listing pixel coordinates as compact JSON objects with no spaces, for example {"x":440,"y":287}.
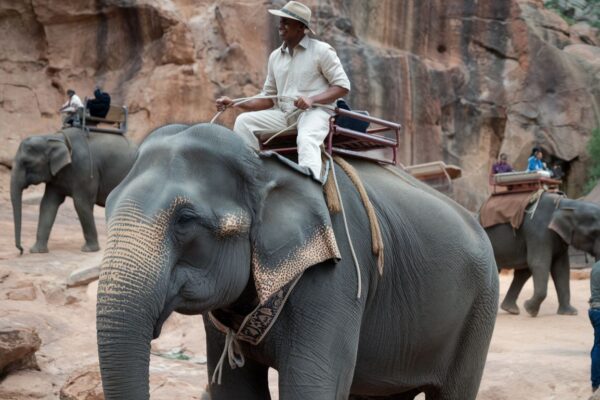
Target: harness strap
{"x":253,"y":329}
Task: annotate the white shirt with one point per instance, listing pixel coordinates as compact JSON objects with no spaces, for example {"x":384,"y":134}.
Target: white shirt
{"x":312,"y":68}
{"x":72,"y":104}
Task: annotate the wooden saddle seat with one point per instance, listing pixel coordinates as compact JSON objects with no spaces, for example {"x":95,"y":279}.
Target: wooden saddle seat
{"x":522,"y":181}
{"x":116,"y":118}
{"x":436,"y":174}
{"x":380,"y":135}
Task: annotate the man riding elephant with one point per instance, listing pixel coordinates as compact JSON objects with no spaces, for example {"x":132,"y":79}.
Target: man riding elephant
{"x":302,"y":72}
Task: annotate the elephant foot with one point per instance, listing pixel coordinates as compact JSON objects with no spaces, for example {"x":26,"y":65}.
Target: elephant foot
{"x":39,"y":248}
{"x":567,"y":310}
{"x":510,"y":308}
{"x":90,"y":248}
{"x":531,"y":308}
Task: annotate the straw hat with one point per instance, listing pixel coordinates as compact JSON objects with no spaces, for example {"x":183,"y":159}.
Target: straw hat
{"x":295,"y":10}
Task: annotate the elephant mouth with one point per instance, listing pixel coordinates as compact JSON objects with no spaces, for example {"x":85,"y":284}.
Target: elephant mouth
{"x":164,"y":315}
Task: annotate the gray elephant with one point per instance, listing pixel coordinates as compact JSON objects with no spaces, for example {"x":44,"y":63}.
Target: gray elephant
{"x":83,"y":166}
{"x":539,"y":248}
{"x":202,"y":223}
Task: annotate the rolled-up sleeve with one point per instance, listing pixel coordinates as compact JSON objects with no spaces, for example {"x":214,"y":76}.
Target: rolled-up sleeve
{"x":270,"y":86}
{"x":332,"y":68}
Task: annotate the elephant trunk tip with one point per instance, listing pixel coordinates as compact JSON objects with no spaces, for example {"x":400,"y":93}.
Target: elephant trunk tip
{"x":20,"y":249}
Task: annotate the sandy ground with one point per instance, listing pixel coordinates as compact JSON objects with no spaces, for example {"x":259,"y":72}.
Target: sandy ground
{"x":543,"y":358}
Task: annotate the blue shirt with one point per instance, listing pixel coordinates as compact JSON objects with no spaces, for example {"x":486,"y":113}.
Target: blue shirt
{"x":535,"y":164}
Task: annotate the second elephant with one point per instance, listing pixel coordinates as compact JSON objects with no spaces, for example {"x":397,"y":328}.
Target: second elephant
{"x":539,"y":248}
{"x":71,"y":163}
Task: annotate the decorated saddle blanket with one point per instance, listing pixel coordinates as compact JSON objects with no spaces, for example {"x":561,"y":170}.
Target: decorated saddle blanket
{"x":507,"y":209}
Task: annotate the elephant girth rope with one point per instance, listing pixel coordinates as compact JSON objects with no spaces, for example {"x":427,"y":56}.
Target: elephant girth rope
{"x":376,"y":238}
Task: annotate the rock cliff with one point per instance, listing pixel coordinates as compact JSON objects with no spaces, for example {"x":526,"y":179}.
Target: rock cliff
{"x":468,"y":79}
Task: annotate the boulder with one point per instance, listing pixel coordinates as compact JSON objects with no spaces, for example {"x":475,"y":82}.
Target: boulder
{"x":24,"y":292}
{"x":85,"y":384}
{"x":168,"y":380}
{"x":18,"y":345}
{"x":83,"y":276}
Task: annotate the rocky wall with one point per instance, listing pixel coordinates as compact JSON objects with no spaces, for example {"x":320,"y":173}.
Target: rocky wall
{"x":467,"y":79}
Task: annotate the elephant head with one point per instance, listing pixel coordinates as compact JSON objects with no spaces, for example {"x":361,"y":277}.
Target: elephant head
{"x":578,"y":224}
{"x":38,"y":159}
{"x":199,"y":222}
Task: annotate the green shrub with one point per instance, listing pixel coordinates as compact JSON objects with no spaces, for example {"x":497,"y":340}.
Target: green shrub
{"x":593,"y":173}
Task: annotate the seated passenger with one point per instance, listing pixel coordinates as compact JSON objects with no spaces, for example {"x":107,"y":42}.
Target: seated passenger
{"x":501,"y":166}
{"x":69,"y":109}
{"x":100,"y":104}
{"x":535,"y":163}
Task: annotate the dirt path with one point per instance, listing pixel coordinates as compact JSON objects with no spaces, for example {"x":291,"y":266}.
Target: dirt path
{"x":543,"y":358}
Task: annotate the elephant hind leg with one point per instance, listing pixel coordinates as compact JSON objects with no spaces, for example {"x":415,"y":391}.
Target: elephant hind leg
{"x":509,"y":304}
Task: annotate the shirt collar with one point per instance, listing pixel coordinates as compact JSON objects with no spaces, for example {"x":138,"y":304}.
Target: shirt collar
{"x":303,"y":43}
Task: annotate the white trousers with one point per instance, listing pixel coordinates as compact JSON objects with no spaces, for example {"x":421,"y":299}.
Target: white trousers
{"x":313,"y":126}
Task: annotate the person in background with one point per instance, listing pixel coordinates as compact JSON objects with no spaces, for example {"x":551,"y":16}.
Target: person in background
{"x":535,"y":163}
{"x":594,"y":314}
{"x":557,"y":171}
{"x":502,"y":165}
{"x":100,"y":104}
{"x":69,"y":109}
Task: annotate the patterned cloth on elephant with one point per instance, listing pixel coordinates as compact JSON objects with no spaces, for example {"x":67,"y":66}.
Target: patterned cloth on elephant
{"x":507,"y":208}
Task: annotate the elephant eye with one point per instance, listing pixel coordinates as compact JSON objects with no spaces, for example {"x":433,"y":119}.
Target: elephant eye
{"x":186,"y":217}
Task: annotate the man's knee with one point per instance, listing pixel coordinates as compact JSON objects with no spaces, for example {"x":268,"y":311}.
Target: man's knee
{"x":310,"y":139}
{"x":241,"y":123}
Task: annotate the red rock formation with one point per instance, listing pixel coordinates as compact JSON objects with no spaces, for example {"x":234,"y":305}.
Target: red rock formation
{"x":467,"y":78}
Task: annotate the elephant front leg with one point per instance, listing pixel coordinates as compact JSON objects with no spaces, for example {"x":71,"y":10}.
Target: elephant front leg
{"x":248,"y":382}
{"x":85,"y":212}
{"x":48,"y":209}
{"x":321,"y":363}
{"x":509,"y":304}
{"x":561,"y":275}
{"x":540,"y":270}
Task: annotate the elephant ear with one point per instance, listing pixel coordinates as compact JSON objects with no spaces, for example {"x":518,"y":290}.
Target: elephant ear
{"x":293,"y":231}
{"x":59,"y":155}
{"x":562,"y":223}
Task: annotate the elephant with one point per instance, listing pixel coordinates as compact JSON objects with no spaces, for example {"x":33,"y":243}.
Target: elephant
{"x":84,"y":166}
{"x":539,"y":248}
{"x":228,"y":229}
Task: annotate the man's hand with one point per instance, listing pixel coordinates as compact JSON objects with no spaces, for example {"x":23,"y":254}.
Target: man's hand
{"x":304,"y":103}
{"x":223,"y":102}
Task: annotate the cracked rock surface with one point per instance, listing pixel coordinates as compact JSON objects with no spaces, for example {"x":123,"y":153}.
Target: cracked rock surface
{"x":466,"y":79}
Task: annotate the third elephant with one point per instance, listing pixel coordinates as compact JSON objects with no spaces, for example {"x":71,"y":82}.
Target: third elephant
{"x":539,"y":248}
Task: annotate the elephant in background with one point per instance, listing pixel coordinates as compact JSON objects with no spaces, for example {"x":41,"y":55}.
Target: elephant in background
{"x":539,"y":248}
{"x":83,"y":166}
{"x":226,"y":229}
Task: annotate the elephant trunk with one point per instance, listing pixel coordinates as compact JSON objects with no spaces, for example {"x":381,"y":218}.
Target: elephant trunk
{"x":131,"y":292}
{"x":17,"y":185}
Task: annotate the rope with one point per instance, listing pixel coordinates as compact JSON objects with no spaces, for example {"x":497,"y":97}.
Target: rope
{"x":376,"y":239}
{"x":234,"y":355}
{"x":241,"y":100}
{"x":356,"y":265}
